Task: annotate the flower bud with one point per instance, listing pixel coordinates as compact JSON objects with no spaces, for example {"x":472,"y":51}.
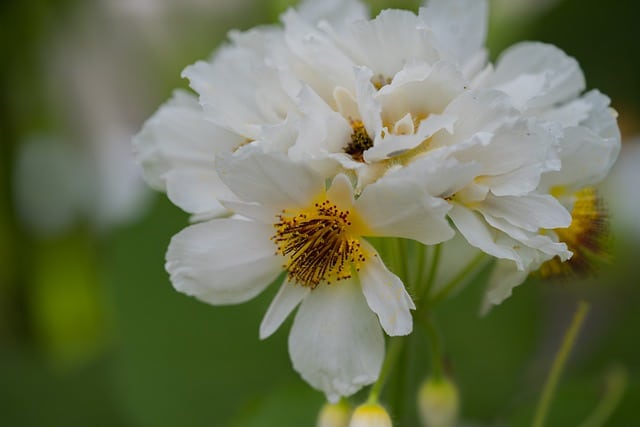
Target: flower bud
{"x":438,"y":403}
{"x":334,"y":415}
{"x":370,"y":415}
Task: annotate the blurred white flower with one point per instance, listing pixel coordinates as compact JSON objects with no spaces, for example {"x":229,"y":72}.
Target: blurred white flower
{"x":621,"y":190}
{"x":50,"y":185}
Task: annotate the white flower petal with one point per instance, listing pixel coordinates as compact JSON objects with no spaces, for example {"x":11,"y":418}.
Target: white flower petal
{"x":537,"y":75}
{"x":530,"y":212}
{"x":421,"y":93}
{"x":197,"y":191}
{"x":336,"y":12}
{"x":287,"y":299}
{"x":399,"y":204}
{"x":341,"y":191}
{"x":602,"y":119}
{"x":369,"y":107}
{"x":391,"y":145}
{"x":460,"y":26}
{"x":336,"y":343}
{"x":386,"y":295}
{"x":223,"y":261}
{"x":513,"y":158}
{"x":392,"y":40}
{"x":240,"y":90}
{"x":480,"y":235}
{"x":504,"y":277}
{"x":318,"y":61}
{"x":586,"y":158}
{"x":270,"y":179}
{"x":322,"y":130}
{"x":526,"y":241}
{"x":254,"y":211}
{"x":477,"y":111}
{"x":178,"y":137}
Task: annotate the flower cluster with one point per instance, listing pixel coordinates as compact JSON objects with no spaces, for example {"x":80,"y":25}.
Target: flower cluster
{"x":307,"y":138}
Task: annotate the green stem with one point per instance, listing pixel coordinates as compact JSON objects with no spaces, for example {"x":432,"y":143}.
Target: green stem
{"x":435,"y":346}
{"x":615,"y":385}
{"x":433,"y":269}
{"x":459,"y":278}
{"x":394,"y":351}
{"x":402,"y":259}
{"x":558,"y":364}
{"x":421,"y":252}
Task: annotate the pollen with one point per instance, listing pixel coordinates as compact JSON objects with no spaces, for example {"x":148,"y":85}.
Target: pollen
{"x":318,"y":245}
{"x":379,"y":81}
{"x":360,"y":141}
{"x":586,"y":237}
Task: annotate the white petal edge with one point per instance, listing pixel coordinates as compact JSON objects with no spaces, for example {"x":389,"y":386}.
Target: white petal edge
{"x":504,"y":277}
{"x":479,"y":234}
{"x":459,"y":25}
{"x":287,"y":299}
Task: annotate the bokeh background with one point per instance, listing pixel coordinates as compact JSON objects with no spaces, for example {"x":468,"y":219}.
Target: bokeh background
{"x":93,"y":334}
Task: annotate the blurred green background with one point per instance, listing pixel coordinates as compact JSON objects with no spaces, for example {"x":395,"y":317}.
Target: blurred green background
{"x":93,"y":334}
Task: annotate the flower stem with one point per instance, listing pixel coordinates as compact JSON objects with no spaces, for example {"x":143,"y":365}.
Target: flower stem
{"x":420,"y":255}
{"x":459,"y":278}
{"x":615,"y":385}
{"x":433,"y":269}
{"x":435,"y":346}
{"x":558,"y":364}
{"x":394,"y":351}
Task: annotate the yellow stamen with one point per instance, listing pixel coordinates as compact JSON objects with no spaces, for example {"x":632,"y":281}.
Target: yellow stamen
{"x":360,"y":141}
{"x":319,"y":244}
{"x":380,"y":81}
{"x":585,"y":237}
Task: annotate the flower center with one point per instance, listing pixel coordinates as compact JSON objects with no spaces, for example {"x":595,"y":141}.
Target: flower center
{"x":379,"y":81}
{"x":318,"y":245}
{"x":585,"y":237}
{"x":360,"y":141}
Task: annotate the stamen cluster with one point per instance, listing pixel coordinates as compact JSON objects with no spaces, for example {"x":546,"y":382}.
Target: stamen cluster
{"x":585,"y":237}
{"x":318,"y":245}
{"x":360,"y":141}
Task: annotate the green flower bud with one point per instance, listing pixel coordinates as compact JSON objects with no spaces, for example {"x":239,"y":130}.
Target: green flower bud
{"x":438,"y":403}
{"x":334,"y":415}
{"x":370,"y":415}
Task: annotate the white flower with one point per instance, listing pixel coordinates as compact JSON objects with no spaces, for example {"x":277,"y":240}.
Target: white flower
{"x":409,"y":127}
{"x":287,"y":219}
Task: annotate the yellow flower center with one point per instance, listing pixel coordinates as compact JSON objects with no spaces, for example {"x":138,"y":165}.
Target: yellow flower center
{"x":319,"y":244}
{"x":585,"y":237}
{"x":360,"y":141}
{"x":379,"y":81}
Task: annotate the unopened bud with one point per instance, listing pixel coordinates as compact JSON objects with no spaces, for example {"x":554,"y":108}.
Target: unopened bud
{"x":334,"y":415}
{"x":438,"y":403}
{"x":370,"y":415}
